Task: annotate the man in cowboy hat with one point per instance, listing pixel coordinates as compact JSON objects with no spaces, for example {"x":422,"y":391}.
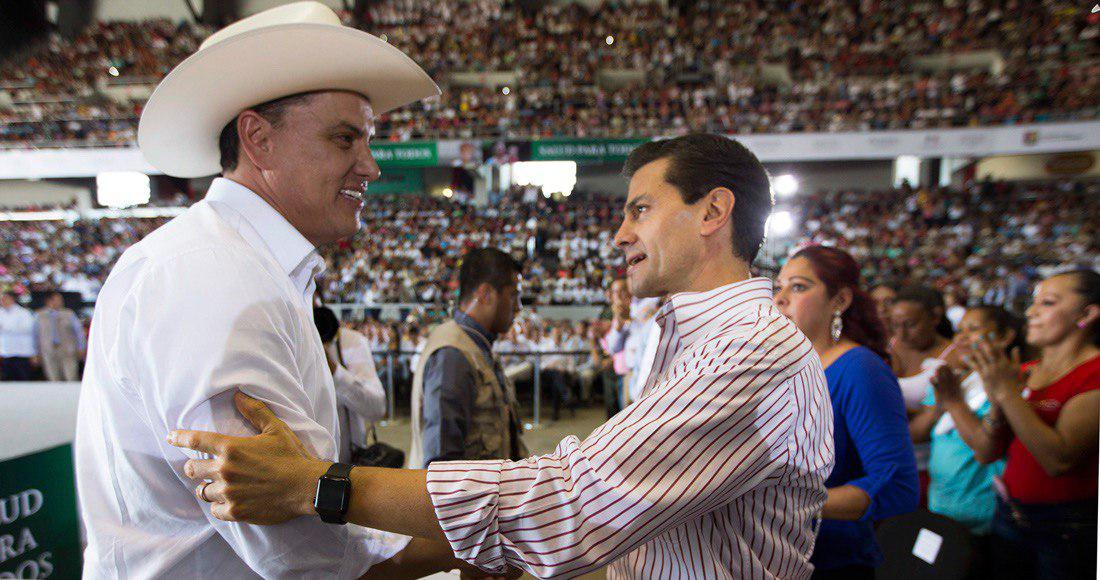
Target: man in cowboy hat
{"x":282,"y":104}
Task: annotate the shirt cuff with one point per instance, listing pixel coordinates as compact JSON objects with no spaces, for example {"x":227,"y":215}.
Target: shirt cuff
{"x":466,"y":495}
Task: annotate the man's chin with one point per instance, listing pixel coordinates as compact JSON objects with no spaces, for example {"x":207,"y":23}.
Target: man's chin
{"x":640,"y":289}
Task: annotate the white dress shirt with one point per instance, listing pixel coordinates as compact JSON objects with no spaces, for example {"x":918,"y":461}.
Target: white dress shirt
{"x":215,"y":300}
{"x":359,"y":391}
{"x":717,"y":471}
{"x":17,"y":332}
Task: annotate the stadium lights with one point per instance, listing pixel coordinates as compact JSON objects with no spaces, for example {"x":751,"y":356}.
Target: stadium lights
{"x":121,"y":189}
{"x":779,"y":224}
{"x":785,"y":185}
{"x":609,"y":40}
{"x":448,"y":192}
{"x":552,"y":176}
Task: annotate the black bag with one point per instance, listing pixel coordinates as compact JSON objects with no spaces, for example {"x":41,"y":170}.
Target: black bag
{"x":377,"y":454}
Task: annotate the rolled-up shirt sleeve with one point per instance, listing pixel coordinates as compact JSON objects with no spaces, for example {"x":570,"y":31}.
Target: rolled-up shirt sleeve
{"x":245,"y":339}
{"x":875,"y":412}
{"x":697,"y":440}
{"x":448,"y":405}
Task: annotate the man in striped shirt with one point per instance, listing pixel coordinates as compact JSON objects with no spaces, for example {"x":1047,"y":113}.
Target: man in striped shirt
{"x":717,"y":471}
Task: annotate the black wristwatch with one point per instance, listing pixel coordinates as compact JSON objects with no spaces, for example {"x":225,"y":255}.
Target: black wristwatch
{"x":334,"y":494}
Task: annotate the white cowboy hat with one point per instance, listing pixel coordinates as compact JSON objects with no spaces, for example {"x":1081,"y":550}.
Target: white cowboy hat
{"x":291,"y":49}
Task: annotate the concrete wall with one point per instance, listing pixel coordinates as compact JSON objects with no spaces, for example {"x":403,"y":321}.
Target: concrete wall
{"x":144,"y":10}
{"x":177,"y":9}
{"x":1044,"y":166}
{"x":601,"y":179}
{"x":816,"y":175}
{"x":18,"y":192}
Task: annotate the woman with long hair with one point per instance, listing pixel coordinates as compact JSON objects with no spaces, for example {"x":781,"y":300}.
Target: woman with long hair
{"x":874,"y":475}
{"x":1045,"y":422}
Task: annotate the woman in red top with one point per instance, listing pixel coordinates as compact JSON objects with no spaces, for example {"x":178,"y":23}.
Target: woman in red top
{"x":1046,"y":419}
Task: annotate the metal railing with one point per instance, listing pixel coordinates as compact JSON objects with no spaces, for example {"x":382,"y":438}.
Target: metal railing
{"x":390,"y":357}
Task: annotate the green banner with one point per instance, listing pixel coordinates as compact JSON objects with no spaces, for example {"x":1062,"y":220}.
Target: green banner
{"x":413,"y":154}
{"x":583,"y":150}
{"x":39,"y":529}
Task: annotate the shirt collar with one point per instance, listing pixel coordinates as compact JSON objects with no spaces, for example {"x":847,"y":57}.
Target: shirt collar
{"x":294,"y":253}
{"x":466,"y":320}
{"x":696,"y":314}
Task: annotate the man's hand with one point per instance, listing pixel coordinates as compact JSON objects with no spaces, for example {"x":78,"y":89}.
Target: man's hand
{"x":35,"y":361}
{"x":265,"y":479}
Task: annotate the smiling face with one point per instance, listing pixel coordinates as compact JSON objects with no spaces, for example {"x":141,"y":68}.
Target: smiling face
{"x":1057,"y":310}
{"x":977,"y":325}
{"x":319,"y":164}
{"x":659,"y":234}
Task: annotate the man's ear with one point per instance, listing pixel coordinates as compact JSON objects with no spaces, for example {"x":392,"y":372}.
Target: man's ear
{"x":719,"y":210}
{"x":255,"y":132}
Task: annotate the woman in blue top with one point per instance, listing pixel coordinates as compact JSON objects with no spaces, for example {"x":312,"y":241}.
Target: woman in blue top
{"x":875,"y":474}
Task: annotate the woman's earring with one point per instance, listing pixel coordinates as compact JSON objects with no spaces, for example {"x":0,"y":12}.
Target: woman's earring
{"x":837,"y":326}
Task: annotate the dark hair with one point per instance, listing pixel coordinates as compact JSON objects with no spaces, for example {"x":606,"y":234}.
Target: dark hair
{"x":229,"y":142}
{"x":485,"y":265}
{"x":1088,"y":286}
{"x":327,"y":323}
{"x":930,"y":299}
{"x":837,"y":269}
{"x":701,"y":162}
{"x":1004,"y":321}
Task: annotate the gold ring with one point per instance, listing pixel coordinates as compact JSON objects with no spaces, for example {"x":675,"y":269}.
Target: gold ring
{"x":202,"y":491}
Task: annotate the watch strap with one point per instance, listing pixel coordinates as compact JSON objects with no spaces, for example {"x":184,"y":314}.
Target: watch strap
{"x":338,"y":474}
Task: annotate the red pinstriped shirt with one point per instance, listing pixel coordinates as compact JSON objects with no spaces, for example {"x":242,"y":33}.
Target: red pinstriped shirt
{"x":717,"y":471}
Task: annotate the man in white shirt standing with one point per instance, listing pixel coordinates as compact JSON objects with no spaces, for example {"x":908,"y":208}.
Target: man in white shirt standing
{"x":283,"y":105}
{"x":18,"y":351}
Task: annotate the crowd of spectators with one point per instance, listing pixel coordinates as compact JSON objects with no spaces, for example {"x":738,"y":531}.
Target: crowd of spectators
{"x":986,"y":241}
{"x":731,"y":67}
{"x":410,"y":248}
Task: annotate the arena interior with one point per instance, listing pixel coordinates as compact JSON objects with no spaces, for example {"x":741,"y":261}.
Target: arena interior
{"x":951,"y":148}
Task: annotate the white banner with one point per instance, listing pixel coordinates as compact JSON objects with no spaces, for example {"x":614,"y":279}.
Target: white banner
{"x":53,"y":163}
{"x":1001,"y":140}
{"x":1007,"y":140}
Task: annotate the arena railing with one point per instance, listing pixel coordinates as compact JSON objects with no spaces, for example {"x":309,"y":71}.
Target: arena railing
{"x":391,"y":358}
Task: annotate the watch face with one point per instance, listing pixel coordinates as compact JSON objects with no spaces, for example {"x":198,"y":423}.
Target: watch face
{"x":332,"y":494}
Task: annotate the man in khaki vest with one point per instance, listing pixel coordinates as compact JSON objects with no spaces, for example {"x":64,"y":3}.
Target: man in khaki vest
{"x":463,"y":405}
{"x":60,"y":340}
